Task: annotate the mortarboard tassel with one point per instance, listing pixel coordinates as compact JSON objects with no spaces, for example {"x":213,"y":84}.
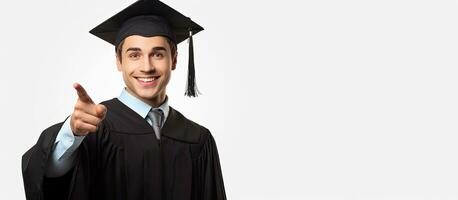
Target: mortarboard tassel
{"x":191,"y":87}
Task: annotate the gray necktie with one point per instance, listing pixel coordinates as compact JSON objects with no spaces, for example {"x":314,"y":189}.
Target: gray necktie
{"x":155,"y":120}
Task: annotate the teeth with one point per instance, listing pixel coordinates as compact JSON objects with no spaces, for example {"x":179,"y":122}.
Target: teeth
{"x":147,"y":79}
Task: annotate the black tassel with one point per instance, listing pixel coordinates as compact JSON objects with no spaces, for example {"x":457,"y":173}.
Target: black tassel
{"x":191,"y":87}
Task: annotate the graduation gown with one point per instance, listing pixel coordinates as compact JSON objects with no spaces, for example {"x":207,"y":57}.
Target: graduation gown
{"x":124,"y":160}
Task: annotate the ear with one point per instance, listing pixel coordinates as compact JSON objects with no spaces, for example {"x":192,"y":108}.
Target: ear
{"x":174,"y":61}
{"x":118,"y":62}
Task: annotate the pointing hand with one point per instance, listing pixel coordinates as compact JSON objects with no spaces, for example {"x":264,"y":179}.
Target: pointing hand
{"x":87,"y":115}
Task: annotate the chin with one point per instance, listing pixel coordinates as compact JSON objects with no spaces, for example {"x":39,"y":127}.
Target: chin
{"x":146,"y":94}
{"x":149,"y":94}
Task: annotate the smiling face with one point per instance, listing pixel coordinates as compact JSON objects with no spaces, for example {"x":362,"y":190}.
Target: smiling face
{"x":146,"y":64}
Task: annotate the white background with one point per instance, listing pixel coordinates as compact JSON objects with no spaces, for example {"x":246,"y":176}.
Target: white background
{"x":324,"y":99}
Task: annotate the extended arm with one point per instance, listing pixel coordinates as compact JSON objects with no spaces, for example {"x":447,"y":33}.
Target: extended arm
{"x":63,"y":154}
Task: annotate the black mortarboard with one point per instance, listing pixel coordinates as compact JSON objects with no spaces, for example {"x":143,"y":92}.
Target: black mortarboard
{"x":152,"y":18}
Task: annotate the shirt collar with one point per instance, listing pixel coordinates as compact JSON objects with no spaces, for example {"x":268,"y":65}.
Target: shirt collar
{"x":141,"y":107}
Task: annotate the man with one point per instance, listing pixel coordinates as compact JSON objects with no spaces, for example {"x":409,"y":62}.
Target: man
{"x":135,"y":146}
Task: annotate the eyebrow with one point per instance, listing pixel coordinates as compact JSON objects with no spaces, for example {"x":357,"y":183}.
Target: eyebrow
{"x":133,"y":49}
{"x":160,"y":48}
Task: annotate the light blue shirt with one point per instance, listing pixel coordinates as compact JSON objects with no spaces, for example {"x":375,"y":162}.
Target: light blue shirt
{"x":63,"y":154}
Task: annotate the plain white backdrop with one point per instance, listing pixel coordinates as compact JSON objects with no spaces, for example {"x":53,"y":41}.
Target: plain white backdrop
{"x":325,"y":100}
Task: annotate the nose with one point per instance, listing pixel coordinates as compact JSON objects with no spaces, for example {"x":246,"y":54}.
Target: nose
{"x":148,"y":66}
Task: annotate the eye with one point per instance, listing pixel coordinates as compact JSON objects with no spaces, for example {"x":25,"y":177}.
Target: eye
{"x":134,"y":55}
{"x":158,"y":55}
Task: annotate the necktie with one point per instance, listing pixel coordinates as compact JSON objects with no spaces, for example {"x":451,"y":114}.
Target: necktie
{"x":155,"y":120}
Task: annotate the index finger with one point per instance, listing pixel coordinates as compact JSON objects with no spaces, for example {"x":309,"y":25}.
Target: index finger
{"x":82,"y":94}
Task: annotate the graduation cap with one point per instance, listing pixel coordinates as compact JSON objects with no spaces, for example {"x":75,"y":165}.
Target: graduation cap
{"x":152,"y":18}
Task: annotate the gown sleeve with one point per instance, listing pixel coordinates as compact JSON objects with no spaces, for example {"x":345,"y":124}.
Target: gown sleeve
{"x":208,"y":180}
{"x":34,"y":163}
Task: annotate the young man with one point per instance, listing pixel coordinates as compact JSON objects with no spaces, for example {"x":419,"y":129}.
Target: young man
{"x":135,"y":146}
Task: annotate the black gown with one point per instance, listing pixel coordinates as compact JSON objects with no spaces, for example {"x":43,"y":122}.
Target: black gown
{"x":124,"y":160}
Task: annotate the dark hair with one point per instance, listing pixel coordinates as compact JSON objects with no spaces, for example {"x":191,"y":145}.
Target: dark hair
{"x":173,"y":48}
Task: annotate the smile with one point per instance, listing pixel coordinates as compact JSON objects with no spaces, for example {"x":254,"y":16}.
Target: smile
{"x":147,"y":81}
